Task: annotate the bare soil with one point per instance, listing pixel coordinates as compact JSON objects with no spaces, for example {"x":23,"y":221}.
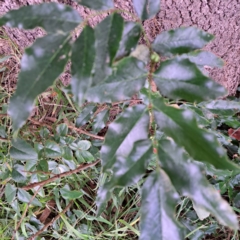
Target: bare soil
{"x":219,"y":17}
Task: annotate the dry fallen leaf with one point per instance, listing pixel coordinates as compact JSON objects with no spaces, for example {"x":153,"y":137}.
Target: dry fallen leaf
{"x":234,"y":133}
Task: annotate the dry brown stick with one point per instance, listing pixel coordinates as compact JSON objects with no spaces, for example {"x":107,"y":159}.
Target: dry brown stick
{"x":24,"y":213}
{"x":4,"y":139}
{"x":39,"y":123}
{"x":51,"y":222}
{"x":33,"y":172}
{"x":85,"y":133}
{"x":47,"y":211}
{"x":42,"y":183}
{"x":71,"y":127}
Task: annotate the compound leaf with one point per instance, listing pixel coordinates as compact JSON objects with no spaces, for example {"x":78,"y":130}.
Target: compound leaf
{"x":128,"y":78}
{"x":159,"y":200}
{"x":181,"y":79}
{"x":83,"y":55}
{"x":146,"y":8}
{"x":96,"y":4}
{"x":181,"y":126}
{"x":53,"y":17}
{"x":186,"y":176}
{"x":41,"y":64}
{"x":181,"y":40}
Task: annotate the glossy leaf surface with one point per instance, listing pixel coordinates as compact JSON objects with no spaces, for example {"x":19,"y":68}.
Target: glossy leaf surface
{"x":125,"y":152}
{"x":53,"y":17}
{"x":203,"y":58}
{"x":127,"y":170}
{"x":100,"y":120}
{"x":51,"y":150}
{"x":83,"y":55}
{"x":85,"y":115}
{"x":18,"y":174}
{"x":181,"y":126}
{"x":222,"y":107}
{"x":130,"y":37}
{"x":10,"y":192}
{"x":24,"y":196}
{"x":158,"y":209}
{"x":41,"y":64}
{"x":62,"y":129}
{"x":182,"y":170}
{"x":181,"y":40}
{"x":81,"y":145}
{"x":97,"y":4}
{"x":23,"y":151}
{"x":68,"y":194}
{"x":105,"y":53}
{"x":128,"y":78}
{"x":181,"y":79}
{"x":146,"y":8}
{"x":122,"y":134}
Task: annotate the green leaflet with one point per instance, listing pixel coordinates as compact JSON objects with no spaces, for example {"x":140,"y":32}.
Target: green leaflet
{"x":10,"y":192}
{"x":158,"y":209}
{"x":23,"y":151}
{"x":202,"y":58}
{"x":130,"y":38}
{"x":123,"y":133}
{"x":221,"y":107}
{"x":85,"y":115}
{"x":70,"y":195}
{"x":128,"y":170}
{"x":181,"y":126}
{"x":18,"y":174}
{"x":51,"y":150}
{"x":115,"y":34}
{"x":100,"y":120}
{"x":179,"y":41}
{"x":146,"y":8}
{"x":41,"y":64}
{"x":125,"y":152}
{"x":181,"y":79}
{"x":53,"y":17}
{"x":127,"y":78}
{"x":62,"y":129}
{"x":83,"y":55}
{"x":108,"y":36}
{"x":182,"y":170}
{"x":96,"y":4}
{"x":24,"y":196}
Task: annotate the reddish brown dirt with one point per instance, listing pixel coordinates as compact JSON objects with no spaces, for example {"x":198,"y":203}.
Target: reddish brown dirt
{"x":221,"y":18}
